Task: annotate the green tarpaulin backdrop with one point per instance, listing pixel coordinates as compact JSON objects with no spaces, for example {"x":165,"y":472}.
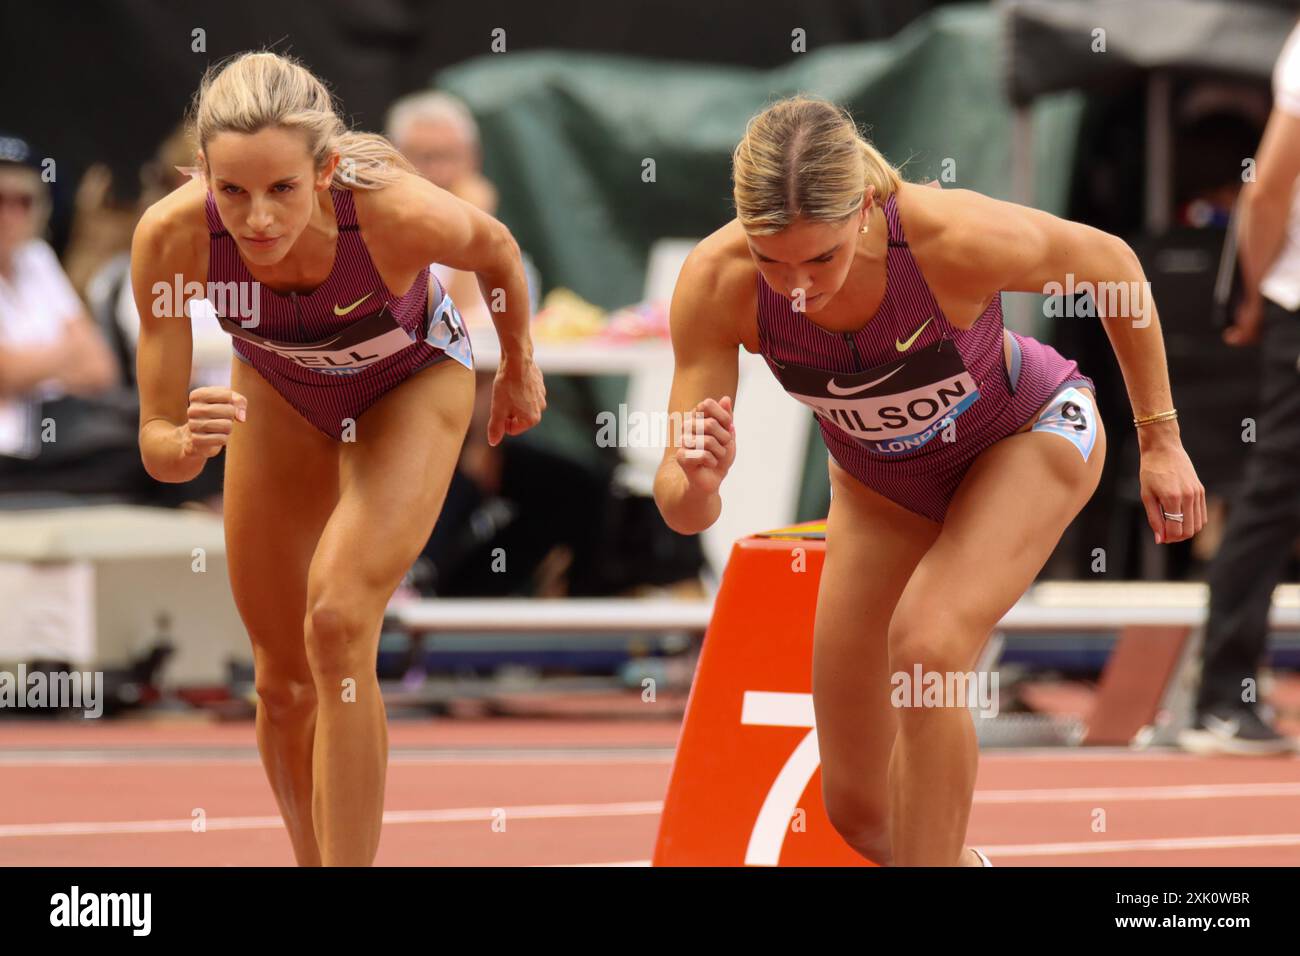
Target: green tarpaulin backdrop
{"x":566,"y":139}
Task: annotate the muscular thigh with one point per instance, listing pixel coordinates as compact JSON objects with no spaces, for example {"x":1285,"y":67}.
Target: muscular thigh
{"x":1002,"y":525}
{"x":872,"y":546}
{"x":392,"y":482}
{"x":281,"y":484}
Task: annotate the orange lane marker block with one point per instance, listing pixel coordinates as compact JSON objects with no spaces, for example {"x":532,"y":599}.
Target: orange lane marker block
{"x":745,"y":786}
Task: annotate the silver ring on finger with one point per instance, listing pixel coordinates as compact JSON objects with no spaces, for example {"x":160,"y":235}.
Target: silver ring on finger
{"x":1173,"y":517}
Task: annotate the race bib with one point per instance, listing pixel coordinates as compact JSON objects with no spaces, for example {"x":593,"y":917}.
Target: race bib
{"x":1073,"y":416}
{"x":892,"y":409}
{"x":346,"y":352}
{"x":447,"y":332}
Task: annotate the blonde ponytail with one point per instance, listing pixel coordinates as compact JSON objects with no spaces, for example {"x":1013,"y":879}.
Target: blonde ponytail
{"x":803,"y":158}
{"x":878,"y":171}
{"x":253,"y":91}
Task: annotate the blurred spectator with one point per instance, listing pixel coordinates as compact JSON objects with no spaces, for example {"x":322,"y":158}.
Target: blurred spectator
{"x":112,"y":300}
{"x":49,"y":348}
{"x":437,"y":133}
{"x":68,"y":421}
{"x":103,"y":223}
{"x":1217,"y":125}
{"x":1264,"y":519}
{"x":544,"y":509}
{"x":112,"y":303}
{"x":101,"y":227}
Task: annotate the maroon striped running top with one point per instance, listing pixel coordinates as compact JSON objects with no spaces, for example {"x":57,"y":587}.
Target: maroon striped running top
{"x":355,"y":287}
{"x":908,"y":401}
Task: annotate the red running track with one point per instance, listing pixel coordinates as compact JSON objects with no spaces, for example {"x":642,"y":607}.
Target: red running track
{"x":585,"y":791}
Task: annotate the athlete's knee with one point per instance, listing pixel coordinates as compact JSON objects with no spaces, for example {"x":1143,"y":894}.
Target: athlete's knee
{"x":284,"y":696}
{"x":337,"y":641}
{"x":862,"y":823}
{"x":934,"y":640}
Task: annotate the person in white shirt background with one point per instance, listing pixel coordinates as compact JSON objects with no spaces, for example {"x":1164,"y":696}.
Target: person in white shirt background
{"x":68,"y":415}
{"x":99,"y":251}
{"x":49,"y":347}
{"x":1264,"y":519}
{"x":113,"y":300}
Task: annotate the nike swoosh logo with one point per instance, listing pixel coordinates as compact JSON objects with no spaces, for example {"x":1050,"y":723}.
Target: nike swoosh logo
{"x":904,"y":346}
{"x":338,"y":311}
{"x":838,"y":390}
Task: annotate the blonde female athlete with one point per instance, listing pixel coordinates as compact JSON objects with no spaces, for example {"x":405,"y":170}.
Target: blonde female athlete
{"x":350,"y":398}
{"x":960,"y":451}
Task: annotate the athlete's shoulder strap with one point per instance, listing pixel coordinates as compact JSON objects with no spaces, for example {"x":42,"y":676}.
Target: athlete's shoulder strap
{"x":345,"y":209}
{"x":216,"y":229}
{"x":896,"y":237}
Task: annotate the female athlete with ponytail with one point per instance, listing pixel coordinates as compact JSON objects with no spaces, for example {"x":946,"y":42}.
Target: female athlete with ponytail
{"x":350,"y":398}
{"x":959,"y":451}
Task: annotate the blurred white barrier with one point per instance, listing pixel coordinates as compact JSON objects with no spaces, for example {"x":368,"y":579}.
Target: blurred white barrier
{"x":1049,"y":606}
{"x":90,"y":585}
{"x":563,"y":614}
{"x":93,"y":585}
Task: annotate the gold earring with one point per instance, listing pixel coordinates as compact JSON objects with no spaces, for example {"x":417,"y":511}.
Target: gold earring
{"x":864,"y":230}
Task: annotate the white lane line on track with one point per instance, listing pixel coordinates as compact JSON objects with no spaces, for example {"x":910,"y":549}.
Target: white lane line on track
{"x":100,"y":758}
{"x":1126,"y":846}
{"x":550,"y":811}
{"x":1211,"y":791}
{"x":1082,"y":755}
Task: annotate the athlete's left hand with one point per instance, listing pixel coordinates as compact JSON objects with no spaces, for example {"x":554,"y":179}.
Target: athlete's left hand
{"x":1169,"y":483}
{"x":518,"y":398}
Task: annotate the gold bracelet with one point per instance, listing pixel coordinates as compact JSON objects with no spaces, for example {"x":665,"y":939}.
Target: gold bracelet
{"x":1158,"y":417}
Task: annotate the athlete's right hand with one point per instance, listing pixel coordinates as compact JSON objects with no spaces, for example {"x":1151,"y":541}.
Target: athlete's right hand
{"x":211,"y":418}
{"x":708,"y":444}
